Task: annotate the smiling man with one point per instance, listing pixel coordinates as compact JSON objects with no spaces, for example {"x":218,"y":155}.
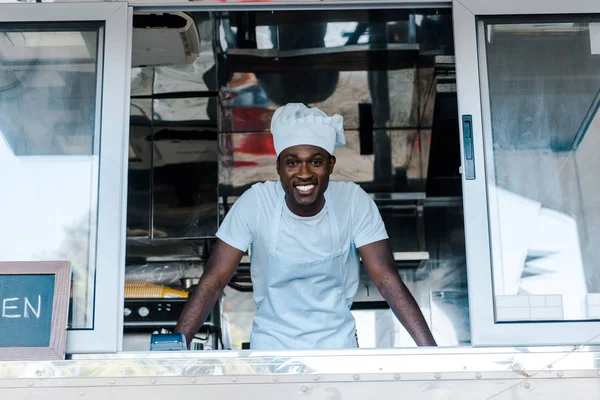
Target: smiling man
{"x":307,"y":236}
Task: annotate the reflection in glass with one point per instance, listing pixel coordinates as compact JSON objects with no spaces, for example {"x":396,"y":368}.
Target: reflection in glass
{"x":184,"y":175}
{"x":139,"y":182}
{"x":142,"y":79}
{"x":544,"y":83}
{"x":379,"y":70}
{"x":334,"y":62}
{"x":250,"y":109}
{"x":196,"y":76}
{"x":49,"y":141}
{"x":182,"y":109}
{"x":248,"y":158}
{"x":173,"y":130}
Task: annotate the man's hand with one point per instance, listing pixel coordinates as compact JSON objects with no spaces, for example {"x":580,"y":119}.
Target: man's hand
{"x":220,"y":267}
{"x":379,"y":262}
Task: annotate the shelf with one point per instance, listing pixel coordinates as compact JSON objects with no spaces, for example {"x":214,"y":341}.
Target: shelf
{"x":346,"y":58}
{"x":404,"y":256}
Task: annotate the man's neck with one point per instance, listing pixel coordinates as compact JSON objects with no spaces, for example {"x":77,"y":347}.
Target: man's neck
{"x":308,"y":211}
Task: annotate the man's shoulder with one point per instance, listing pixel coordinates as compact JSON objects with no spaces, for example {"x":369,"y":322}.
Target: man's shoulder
{"x":256,"y":194}
{"x":344,"y":190}
{"x":265,"y":189}
{"x":260,"y":195}
{"x":343,"y":187}
{"x":349,"y":196}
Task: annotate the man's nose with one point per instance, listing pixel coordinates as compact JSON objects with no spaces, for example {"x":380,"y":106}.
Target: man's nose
{"x":305,"y":171}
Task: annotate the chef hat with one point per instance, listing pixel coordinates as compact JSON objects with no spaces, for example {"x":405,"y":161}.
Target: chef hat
{"x":295,"y":124}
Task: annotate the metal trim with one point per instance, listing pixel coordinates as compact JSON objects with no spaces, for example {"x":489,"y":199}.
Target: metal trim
{"x":57,"y":12}
{"x":149,"y":5}
{"x":474,"y":191}
{"x":518,"y":7}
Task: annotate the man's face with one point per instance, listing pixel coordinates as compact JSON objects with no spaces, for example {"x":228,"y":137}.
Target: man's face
{"x":304,"y":172}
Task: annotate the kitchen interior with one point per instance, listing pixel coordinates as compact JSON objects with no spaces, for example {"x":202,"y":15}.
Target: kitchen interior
{"x":204,"y":86}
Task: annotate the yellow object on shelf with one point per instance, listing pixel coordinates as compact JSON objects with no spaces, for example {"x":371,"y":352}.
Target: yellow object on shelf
{"x":141,"y":290}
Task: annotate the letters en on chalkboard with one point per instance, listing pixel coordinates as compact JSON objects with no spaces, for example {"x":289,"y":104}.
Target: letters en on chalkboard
{"x":33,"y":310}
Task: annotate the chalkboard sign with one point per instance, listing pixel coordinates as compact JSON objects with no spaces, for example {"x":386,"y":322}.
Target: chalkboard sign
{"x":33,"y":310}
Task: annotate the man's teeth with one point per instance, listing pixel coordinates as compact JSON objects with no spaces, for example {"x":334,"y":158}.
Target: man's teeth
{"x":305,"y":188}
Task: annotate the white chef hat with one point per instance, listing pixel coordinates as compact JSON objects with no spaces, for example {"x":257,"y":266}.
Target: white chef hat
{"x":295,"y":124}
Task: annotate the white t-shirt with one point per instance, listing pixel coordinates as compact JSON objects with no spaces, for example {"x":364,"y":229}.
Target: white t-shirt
{"x":302,"y":239}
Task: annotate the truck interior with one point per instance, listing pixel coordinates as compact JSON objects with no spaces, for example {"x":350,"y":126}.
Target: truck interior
{"x":204,"y":88}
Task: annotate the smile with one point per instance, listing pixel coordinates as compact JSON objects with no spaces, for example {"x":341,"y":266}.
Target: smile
{"x":305,"y":188}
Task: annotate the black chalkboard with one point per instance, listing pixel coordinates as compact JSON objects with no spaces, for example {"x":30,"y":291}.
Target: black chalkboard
{"x":26,"y":310}
{"x":33,"y":309}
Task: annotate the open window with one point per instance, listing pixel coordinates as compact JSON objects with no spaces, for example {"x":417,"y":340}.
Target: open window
{"x":200,"y":137}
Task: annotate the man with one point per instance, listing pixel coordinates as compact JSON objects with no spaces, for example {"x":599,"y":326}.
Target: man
{"x":306,"y":234}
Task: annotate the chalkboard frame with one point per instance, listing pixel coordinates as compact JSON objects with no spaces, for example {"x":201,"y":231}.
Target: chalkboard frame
{"x":60,"y":307}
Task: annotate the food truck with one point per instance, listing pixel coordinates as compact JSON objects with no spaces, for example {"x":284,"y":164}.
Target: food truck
{"x":129,"y":130}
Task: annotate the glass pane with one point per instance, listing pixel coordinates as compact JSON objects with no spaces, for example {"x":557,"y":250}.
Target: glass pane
{"x":182,"y":109}
{"x":542,"y":160}
{"x":173,"y":162}
{"x":184,"y":188}
{"x":383,"y":60}
{"x":142,"y":79}
{"x":49,"y":141}
{"x":383,"y":71}
{"x":248,"y":158}
{"x":139,"y":182}
{"x":199,"y":76}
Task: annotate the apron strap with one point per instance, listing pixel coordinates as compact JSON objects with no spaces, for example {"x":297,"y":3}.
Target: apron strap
{"x":275,"y":221}
{"x":335,"y":232}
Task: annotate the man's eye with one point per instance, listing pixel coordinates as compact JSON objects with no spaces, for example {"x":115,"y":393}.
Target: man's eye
{"x":292,"y":163}
{"x":317,"y":162}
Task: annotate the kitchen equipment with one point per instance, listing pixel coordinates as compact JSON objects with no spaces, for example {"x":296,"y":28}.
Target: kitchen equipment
{"x":142,"y":290}
{"x":168,"y":342}
{"x":189,"y":283}
{"x":153,"y":312}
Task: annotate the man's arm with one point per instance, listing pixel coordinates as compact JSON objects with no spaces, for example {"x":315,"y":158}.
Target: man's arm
{"x":220,"y":267}
{"x":379,"y":262}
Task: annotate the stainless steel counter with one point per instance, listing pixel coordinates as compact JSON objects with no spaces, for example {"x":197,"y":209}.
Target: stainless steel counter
{"x":413,"y":363}
{"x":416,"y":374}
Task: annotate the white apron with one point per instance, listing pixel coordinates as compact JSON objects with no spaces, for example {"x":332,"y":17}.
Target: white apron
{"x":304,"y":306}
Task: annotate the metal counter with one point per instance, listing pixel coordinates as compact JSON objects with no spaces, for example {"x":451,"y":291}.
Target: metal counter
{"x":442,"y":373}
{"x":418,"y":363}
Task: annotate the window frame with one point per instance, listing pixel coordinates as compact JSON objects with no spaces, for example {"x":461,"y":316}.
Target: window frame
{"x":114,"y":71}
{"x":474,"y":100}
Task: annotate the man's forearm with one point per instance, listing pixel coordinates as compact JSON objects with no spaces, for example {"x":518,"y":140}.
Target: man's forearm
{"x":406,"y":309}
{"x":379,"y":261}
{"x":197,"y":308}
{"x":220,"y":267}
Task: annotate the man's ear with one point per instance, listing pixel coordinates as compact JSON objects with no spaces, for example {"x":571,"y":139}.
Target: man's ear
{"x":277,"y":166}
{"x":331,"y":164}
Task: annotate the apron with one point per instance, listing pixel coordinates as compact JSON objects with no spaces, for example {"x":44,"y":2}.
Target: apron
{"x":304,"y":306}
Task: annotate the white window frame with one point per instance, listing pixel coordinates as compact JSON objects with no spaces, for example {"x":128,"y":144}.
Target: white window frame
{"x":106,"y":335}
{"x":473,"y":99}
